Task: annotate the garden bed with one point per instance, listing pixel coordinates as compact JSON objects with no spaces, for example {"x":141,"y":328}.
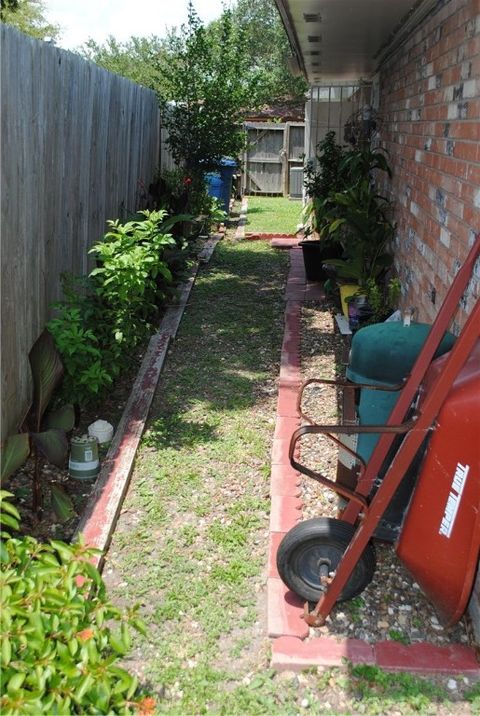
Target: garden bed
{"x":20,"y":484}
{"x":46,"y":525}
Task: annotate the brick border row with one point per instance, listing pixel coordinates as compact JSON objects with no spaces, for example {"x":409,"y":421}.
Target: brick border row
{"x":290,"y":647}
{"x":240,"y":232}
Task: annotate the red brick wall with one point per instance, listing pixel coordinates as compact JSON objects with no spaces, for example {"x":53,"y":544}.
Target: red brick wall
{"x":429,"y":121}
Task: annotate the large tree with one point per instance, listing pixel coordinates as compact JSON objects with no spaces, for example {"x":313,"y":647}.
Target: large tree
{"x":267,"y":49}
{"x":29,"y":17}
{"x":264,"y":45}
{"x":207,"y":83}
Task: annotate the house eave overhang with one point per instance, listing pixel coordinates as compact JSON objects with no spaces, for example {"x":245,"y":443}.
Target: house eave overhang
{"x":342,"y":41}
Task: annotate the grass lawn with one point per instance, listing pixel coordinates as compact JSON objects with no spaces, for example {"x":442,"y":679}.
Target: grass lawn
{"x":191,"y":542}
{"x":271,"y":214}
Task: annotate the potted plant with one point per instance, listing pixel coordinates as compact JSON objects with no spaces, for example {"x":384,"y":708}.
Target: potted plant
{"x":317,"y":245}
{"x":359,"y":220}
{"x":321,"y":179}
{"x":373,"y":304}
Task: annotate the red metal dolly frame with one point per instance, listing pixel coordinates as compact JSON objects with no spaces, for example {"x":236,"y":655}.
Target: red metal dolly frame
{"x":359,"y":510}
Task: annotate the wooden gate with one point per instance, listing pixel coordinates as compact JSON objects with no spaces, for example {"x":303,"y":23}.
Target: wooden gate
{"x":273,"y":151}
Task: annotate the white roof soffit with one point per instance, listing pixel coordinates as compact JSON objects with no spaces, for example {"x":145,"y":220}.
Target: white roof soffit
{"x":344,"y":40}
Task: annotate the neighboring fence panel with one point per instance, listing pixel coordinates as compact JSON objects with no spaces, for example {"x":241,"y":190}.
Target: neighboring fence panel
{"x":273,"y":149}
{"x":168,"y":162}
{"x":77,"y":142}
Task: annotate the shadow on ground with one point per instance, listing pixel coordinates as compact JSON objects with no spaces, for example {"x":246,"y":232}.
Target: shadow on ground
{"x":225,"y":357}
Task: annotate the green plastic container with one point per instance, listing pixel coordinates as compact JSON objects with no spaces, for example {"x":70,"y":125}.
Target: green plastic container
{"x":84,"y":463}
{"x":384,"y":354}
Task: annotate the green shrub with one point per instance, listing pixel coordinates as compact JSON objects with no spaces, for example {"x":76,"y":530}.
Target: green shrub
{"x":131,"y":272}
{"x":86,"y":369}
{"x":107,"y":314}
{"x":61,"y":637}
{"x":132,"y":277}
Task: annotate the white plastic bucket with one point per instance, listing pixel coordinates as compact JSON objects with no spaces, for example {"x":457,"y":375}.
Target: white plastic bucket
{"x":101,"y":430}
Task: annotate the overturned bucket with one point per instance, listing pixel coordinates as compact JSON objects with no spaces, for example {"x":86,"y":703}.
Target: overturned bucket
{"x":84,"y":463}
{"x":101,"y":430}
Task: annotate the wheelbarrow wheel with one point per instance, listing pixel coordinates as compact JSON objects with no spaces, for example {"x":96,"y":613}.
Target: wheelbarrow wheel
{"x":311,"y":551}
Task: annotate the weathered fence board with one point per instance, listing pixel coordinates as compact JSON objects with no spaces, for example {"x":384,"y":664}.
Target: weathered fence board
{"x":76,"y":141}
{"x":273,"y":149}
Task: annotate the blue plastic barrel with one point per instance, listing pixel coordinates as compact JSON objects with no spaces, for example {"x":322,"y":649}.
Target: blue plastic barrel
{"x":219,"y":183}
{"x":214,"y":185}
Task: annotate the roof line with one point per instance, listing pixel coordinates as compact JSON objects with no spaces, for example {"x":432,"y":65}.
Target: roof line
{"x":417,"y":13}
{"x":291,"y":34}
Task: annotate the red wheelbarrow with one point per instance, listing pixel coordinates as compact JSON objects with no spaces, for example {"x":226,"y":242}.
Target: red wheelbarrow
{"x":327,"y":560}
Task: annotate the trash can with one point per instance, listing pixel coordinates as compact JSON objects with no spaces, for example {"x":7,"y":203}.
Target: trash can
{"x":227,"y":170}
{"x":219,"y":183}
{"x":383,"y":354}
{"x":214,"y":185}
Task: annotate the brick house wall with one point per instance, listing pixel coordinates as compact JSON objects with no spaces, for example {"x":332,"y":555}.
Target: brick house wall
{"x":428,"y":94}
{"x":428,"y":97}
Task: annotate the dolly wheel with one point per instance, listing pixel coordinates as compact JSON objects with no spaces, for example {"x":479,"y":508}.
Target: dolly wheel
{"x":311,"y":551}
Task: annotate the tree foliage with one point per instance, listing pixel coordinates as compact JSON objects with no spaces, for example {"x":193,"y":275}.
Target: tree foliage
{"x":207,"y":83}
{"x":136,"y":59}
{"x":28,"y":16}
{"x":264,"y":45}
{"x":267,"y":49}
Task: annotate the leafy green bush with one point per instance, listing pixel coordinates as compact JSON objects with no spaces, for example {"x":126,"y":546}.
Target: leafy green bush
{"x":130,"y":259}
{"x":61,"y":637}
{"x":324,"y":175}
{"x":132,"y":276}
{"x":86,"y":370}
{"x":204,"y":75}
{"x":106,"y":315}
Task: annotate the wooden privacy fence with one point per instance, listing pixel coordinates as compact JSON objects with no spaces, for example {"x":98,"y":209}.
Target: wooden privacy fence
{"x":273,"y":161}
{"x":78,"y":144}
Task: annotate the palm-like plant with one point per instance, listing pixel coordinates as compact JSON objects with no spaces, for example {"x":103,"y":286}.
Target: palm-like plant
{"x":362,"y":225}
{"x":359,"y":218}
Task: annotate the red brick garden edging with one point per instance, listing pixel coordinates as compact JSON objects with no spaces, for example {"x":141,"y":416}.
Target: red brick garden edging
{"x":100,"y":516}
{"x":290,"y":649}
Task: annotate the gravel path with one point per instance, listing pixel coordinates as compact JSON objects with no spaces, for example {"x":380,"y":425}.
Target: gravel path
{"x":392,"y":606}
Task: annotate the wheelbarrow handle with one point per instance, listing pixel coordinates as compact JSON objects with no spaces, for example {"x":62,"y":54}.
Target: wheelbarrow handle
{"x":339,"y":383}
{"x":325,"y":481}
{"x":327,"y":430}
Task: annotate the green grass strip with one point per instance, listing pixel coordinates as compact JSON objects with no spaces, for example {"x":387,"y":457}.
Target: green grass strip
{"x":272,"y":214}
{"x":191,"y":546}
